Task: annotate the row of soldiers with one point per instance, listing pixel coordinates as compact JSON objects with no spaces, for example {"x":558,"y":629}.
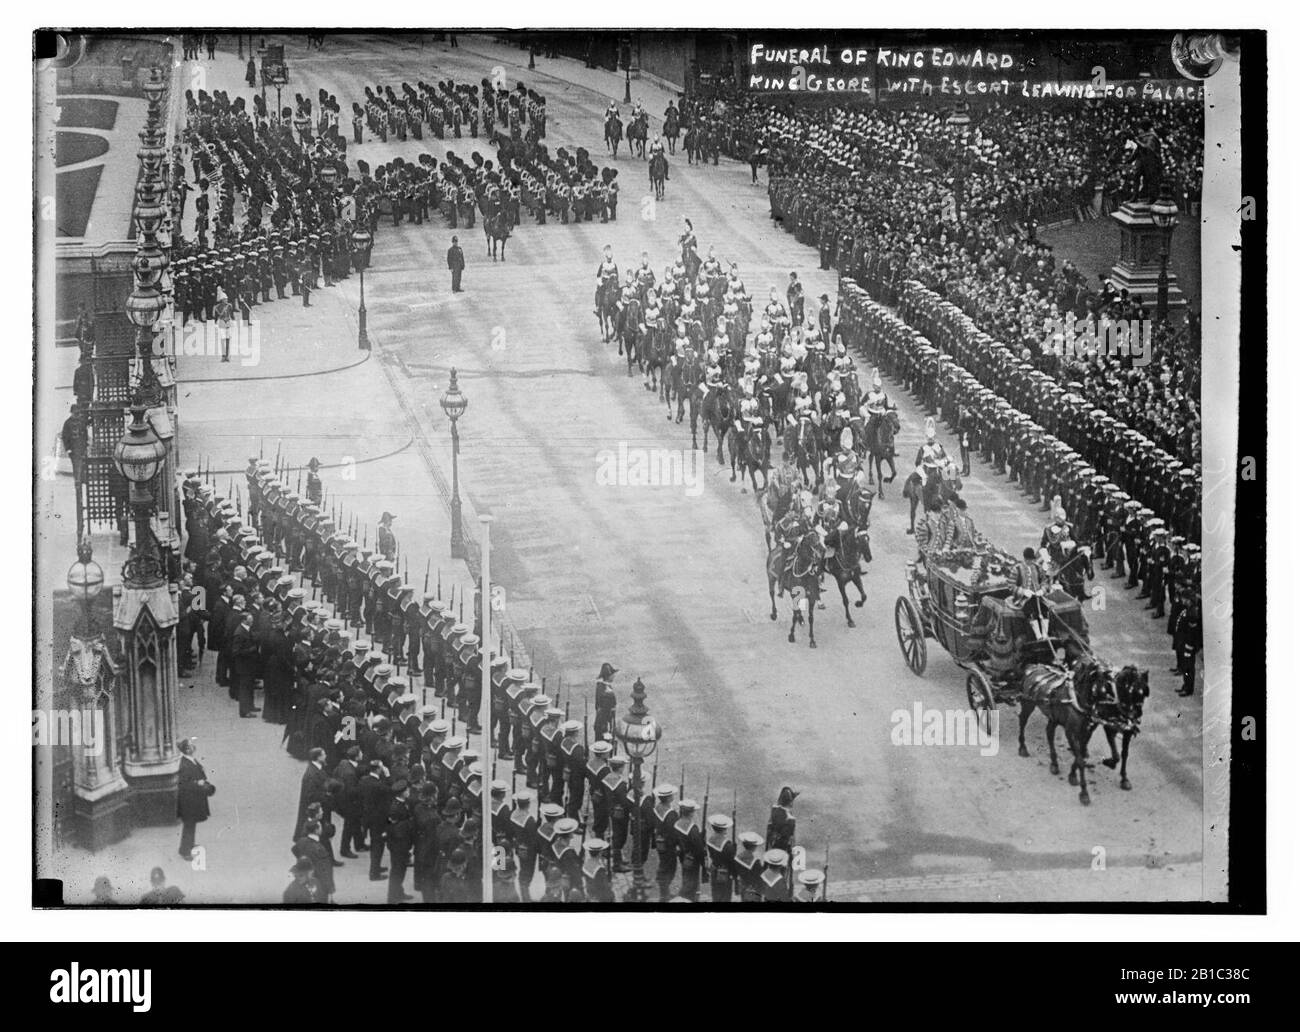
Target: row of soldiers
{"x":1132,"y":461}
{"x":580,"y":787}
{"x":259,"y":270}
{"x":1164,"y":561}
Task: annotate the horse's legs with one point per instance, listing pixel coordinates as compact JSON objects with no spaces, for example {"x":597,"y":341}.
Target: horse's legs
{"x":1051,"y":743}
{"x":912,"y":517}
{"x":1111,"y":761}
{"x":1026,"y":708}
{"x":1080,"y":745}
{"x":718,"y":433}
{"x":857,"y":583}
{"x":844,"y":597}
{"x":812,"y":609}
{"x":871,"y":462}
{"x":1123,"y":766}
{"x":794,"y":618}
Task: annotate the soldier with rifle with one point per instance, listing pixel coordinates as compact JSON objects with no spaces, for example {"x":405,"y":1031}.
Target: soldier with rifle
{"x":721,"y":852}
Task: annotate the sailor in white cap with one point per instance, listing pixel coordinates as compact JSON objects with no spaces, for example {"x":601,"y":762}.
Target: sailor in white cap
{"x":574,"y":760}
{"x":564,"y":850}
{"x":616,"y":784}
{"x":810,"y":887}
{"x":721,"y":852}
{"x":775,"y":879}
{"x":523,"y":837}
{"x":663,"y":816}
{"x":596,"y":884}
{"x":749,"y":867}
{"x":594,"y":772}
{"x":551,"y":813}
{"x":690,"y":847}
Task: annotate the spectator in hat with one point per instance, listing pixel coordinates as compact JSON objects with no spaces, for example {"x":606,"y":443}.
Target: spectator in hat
{"x":426,"y":822}
{"x":457,"y":885}
{"x":376,"y":800}
{"x":161,"y":894}
{"x":400,"y":833}
{"x":311,"y":789}
{"x":303,"y":890}
{"x":310,"y":847}
{"x":347,"y":802}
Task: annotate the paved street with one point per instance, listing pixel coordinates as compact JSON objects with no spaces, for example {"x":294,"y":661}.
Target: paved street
{"x":668,"y":582}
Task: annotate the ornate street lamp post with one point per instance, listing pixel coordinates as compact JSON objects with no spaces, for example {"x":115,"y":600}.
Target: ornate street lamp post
{"x":1164,"y":213}
{"x":362,"y":239}
{"x":640,"y":733}
{"x":454,"y":404}
{"x":86,"y":581}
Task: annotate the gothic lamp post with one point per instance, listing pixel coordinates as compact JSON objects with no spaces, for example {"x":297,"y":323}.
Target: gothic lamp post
{"x":1164,"y":213}
{"x":454,"y":404}
{"x":640,"y":733}
{"x":362,"y":239}
{"x":145,"y":615}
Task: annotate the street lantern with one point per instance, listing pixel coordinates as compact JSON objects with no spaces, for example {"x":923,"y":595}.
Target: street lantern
{"x":1164,"y":213}
{"x":454,"y":404}
{"x":140,"y":452}
{"x":362,"y":239}
{"x":640,"y":733}
{"x":85,"y":579}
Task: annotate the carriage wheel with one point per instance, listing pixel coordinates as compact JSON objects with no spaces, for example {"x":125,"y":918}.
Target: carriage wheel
{"x":979,"y":693}
{"x":911,"y":635}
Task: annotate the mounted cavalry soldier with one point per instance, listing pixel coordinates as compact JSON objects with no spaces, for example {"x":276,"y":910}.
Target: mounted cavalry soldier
{"x":606,"y":276}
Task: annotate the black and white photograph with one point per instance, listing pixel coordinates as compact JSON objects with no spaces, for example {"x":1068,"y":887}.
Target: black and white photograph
{"x":662,"y":468}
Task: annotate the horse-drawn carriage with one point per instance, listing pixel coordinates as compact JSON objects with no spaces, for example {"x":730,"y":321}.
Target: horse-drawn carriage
{"x":966,"y":601}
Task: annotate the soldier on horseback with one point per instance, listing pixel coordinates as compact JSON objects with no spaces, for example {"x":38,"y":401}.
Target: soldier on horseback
{"x":790,"y":529}
{"x":606,"y":275}
{"x":657,"y":149}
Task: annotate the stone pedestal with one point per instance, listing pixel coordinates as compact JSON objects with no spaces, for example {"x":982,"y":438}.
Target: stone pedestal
{"x":1138,"y":268}
{"x":101,"y":801}
{"x":146,"y":618}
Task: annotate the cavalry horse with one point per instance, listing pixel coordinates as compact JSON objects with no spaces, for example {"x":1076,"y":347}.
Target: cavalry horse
{"x":672,"y":129}
{"x":607,"y":309}
{"x":751,"y":450}
{"x":801,"y":445}
{"x":686,"y":374}
{"x":1131,"y":691}
{"x":1071,"y":700}
{"x":658,"y":174}
{"x":718,"y":411}
{"x":845,"y":565}
{"x":775,"y":499}
{"x":496,"y":229}
{"x":629,"y":332}
{"x":613,"y":133}
{"x":929,"y":486}
{"x":637,"y":133}
{"x":654,"y":361}
{"x":802,"y":577}
{"x":879,"y":439}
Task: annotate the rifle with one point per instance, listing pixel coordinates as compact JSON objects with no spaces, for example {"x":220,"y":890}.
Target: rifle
{"x":277,"y":457}
{"x":586,"y":742}
{"x":261,"y":442}
{"x":826,"y":872}
{"x":733,"y":838}
{"x":654,"y":776}
{"x":682,"y":790}
{"x":299,"y":487}
{"x":427,"y":564}
{"x":708,"y":780}
{"x":440,"y":583}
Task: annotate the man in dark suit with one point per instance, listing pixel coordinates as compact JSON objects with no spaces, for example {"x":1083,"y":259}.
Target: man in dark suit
{"x":456,"y":263}
{"x":312,"y":790}
{"x":310,"y":847}
{"x":191,"y":796}
{"x":244,"y":659}
{"x":376,"y":798}
{"x":348,"y":802}
{"x":400,"y":839}
{"x":217,"y":624}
